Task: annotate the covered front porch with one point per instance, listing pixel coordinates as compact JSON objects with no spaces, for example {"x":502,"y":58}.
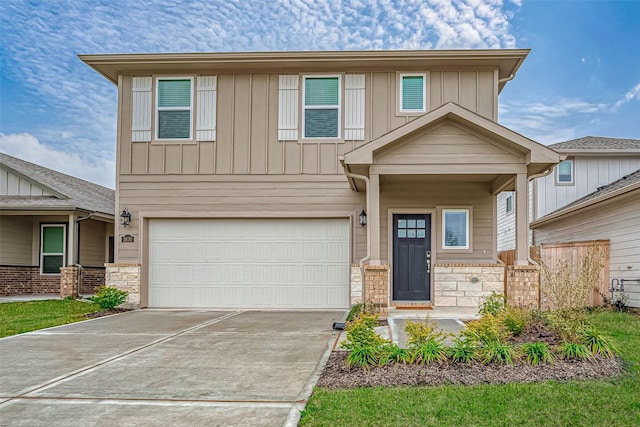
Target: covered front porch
{"x":431,"y":188}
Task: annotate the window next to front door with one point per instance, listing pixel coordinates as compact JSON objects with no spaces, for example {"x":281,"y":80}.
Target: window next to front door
{"x":53,"y":243}
{"x":411,"y":257}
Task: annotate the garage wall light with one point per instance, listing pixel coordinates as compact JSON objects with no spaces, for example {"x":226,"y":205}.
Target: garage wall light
{"x":125,"y":217}
{"x":363,"y":218}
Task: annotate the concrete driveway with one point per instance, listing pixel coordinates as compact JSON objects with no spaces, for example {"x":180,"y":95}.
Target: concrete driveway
{"x":153,"y":367}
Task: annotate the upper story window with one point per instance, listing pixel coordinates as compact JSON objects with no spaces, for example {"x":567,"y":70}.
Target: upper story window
{"x":174,"y":108}
{"x":52,"y":248}
{"x":321,"y":107}
{"x":455,"y":228}
{"x":413,"y":94}
{"x":564,"y":172}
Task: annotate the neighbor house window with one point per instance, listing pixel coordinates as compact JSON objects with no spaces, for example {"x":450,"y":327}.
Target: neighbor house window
{"x":509,"y":204}
{"x":321,"y":107}
{"x":52,"y":248}
{"x":174,"y":108}
{"x":413,"y":93}
{"x":564,"y":172}
{"x":455,"y":229}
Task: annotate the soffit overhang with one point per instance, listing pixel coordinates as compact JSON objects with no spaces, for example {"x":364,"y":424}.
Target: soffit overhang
{"x":505,"y":61}
{"x":536,"y":157}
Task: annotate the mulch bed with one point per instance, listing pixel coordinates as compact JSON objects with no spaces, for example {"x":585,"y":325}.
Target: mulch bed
{"x":336,"y":375}
{"x":103,"y":313}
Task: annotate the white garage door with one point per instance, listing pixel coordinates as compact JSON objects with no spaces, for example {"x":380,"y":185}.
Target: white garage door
{"x":249,"y":263}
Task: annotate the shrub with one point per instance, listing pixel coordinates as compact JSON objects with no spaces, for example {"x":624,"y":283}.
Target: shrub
{"x":462,"y":351}
{"x":571,"y":350}
{"x":361,"y":333}
{"x":109,"y":297}
{"x":515,"y":319}
{"x":596,"y":343}
{"x":487,"y":329}
{"x":354,"y":312}
{"x":418,"y":333}
{"x":362,"y":356}
{"x":391,"y":353}
{"x":567,"y":323}
{"x":537,"y":352}
{"x":498,"y":352}
{"x":368,"y":308}
{"x":428,"y":352}
{"x":493,"y":304}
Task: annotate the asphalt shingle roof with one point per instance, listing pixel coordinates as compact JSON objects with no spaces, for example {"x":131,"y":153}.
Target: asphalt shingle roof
{"x":77,"y":193}
{"x":597,"y":143}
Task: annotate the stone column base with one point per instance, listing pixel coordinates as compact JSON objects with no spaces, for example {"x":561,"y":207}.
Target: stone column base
{"x":356,"y":284}
{"x":523,"y":286}
{"x":125,"y":277}
{"x":376,"y":287}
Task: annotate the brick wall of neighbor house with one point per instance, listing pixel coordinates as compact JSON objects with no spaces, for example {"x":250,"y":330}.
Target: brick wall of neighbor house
{"x":19,"y":280}
{"x":91,"y":278}
{"x":523,"y":286}
{"x":376,"y":286}
{"x":464,"y":285}
{"x":356,"y":284}
{"x":125,"y":277}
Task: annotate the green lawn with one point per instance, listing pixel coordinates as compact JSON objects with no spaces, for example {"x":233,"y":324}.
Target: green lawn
{"x":614,"y":402}
{"x":20,"y":317}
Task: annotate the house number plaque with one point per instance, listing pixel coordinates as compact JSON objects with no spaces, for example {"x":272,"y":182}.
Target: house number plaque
{"x":127,"y":238}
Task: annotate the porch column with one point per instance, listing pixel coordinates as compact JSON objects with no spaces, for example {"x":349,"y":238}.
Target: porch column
{"x":373,"y":220}
{"x":71,"y":242}
{"x":522,"y":220}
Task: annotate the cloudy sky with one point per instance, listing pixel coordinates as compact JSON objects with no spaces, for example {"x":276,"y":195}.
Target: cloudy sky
{"x":581,"y":78}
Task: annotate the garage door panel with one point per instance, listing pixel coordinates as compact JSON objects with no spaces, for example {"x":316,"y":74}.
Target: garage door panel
{"x":249,"y":263}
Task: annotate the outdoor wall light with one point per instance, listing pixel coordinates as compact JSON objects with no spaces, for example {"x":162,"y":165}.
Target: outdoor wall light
{"x":125,"y":217}
{"x":363,"y":218}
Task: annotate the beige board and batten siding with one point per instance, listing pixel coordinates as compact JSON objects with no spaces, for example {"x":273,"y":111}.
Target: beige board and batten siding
{"x":246,"y":137}
{"x":618,"y":222}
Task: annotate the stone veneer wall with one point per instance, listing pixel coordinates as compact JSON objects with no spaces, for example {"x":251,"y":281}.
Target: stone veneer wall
{"x":24,"y":280}
{"x":356,"y":284}
{"x":91,"y":278}
{"x":523,"y":286}
{"x":464,"y":285}
{"x":127,"y":278}
{"x":376,"y":286}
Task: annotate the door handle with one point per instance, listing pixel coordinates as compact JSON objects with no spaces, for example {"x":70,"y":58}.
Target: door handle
{"x":428,"y":260}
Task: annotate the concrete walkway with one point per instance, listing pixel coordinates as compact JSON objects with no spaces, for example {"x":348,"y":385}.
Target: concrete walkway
{"x":160,"y":367}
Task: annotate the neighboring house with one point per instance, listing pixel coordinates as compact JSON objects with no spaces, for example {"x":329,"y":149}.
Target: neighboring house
{"x":50,"y":220}
{"x":590,"y":163}
{"x":611,"y":212}
{"x":247,"y":176}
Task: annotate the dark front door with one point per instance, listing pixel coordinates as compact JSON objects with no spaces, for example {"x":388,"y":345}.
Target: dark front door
{"x":411,"y":257}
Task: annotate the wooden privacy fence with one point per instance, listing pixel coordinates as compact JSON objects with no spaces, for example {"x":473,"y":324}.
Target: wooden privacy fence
{"x":573,"y":253}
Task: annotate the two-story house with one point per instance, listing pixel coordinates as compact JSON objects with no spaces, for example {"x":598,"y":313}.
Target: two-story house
{"x":589,"y":163}
{"x":279,"y":179}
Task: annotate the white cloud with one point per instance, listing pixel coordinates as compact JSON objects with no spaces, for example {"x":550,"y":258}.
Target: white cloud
{"x":27,"y":147}
{"x":629,"y":96}
{"x":551,"y":121}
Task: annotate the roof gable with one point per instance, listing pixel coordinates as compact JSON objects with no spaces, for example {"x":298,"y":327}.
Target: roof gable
{"x":447,"y":143}
{"x":63,"y":191}
{"x":479,"y":131}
